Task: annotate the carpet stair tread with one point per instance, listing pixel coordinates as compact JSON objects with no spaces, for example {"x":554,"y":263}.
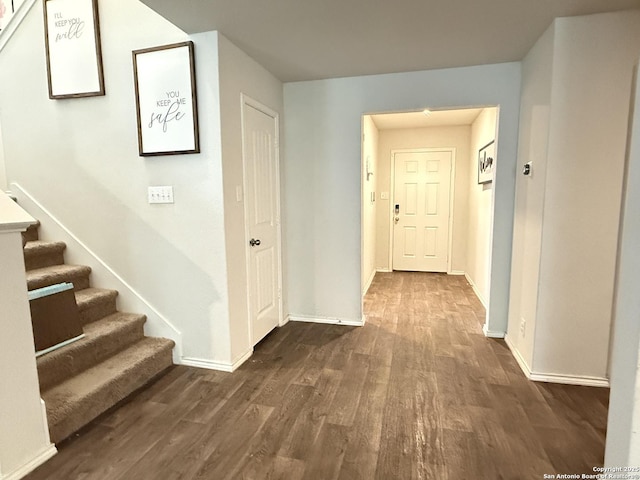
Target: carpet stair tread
{"x":103,"y":339}
{"x":43,"y":277}
{"x":80,"y":399}
{"x":83,"y":379}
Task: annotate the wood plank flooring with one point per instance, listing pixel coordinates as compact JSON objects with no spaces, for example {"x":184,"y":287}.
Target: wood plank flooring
{"x":417,"y":393}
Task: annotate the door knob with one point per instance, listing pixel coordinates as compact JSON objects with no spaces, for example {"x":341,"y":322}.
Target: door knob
{"x":254,"y":243}
{"x":396,"y":219}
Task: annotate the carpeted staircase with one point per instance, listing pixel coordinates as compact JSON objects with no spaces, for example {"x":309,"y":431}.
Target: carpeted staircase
{"x":80,"y":381}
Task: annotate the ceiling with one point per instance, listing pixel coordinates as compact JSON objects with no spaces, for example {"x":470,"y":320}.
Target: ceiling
{"x":436,"y":118}
{"x":317,"y":39}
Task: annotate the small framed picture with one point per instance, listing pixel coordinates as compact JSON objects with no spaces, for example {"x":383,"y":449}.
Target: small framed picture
{"x":72,"y":41}
{"x":166,"y":105}
{"x":486,"y":162}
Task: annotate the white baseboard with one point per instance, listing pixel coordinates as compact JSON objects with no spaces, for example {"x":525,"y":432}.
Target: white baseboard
{"x":492,"y":333}
{"x":384,"y":270}
{"x":519,"y":358}
{"x":103,"y":275}
{"x":477,"y":292}
{"x":284,"y":321}
{"x":582,"y":380}
{"x":365,"y":289}
{"x":328,"y":320}
{"x":457,"y":272}
{"x":45,"y":454}
{"x":211,"y":365}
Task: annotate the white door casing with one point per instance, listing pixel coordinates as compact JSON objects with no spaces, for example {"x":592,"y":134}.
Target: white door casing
{"x":262,"y":217}
{"x":421,"y":226}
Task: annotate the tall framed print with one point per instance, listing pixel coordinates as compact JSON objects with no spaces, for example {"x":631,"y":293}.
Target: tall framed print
{"x":486,"y":162}
{"x":74,"y":56}
{"x":166,"y":105}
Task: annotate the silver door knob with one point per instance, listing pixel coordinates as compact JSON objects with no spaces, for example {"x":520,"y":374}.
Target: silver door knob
{"x":396,"y":219}
{"x":254,"y":243}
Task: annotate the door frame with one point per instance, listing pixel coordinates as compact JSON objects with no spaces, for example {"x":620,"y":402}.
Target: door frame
{"x":452,"y":195}
{"x":246,"y":100}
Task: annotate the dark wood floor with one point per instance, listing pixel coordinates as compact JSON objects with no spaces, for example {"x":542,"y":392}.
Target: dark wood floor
{"x":417,"y":393}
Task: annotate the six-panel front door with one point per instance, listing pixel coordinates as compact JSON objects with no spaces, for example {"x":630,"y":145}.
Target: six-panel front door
{"x":261,"y":209}
{"x":421,"y":205}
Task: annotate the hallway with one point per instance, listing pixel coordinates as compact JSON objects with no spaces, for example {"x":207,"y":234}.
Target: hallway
{"x":418,"y":392}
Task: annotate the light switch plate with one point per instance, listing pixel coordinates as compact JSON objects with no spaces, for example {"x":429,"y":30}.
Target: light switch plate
{"x":161,"y":194}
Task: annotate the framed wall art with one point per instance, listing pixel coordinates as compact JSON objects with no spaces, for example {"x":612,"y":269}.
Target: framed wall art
{"x":74,"y":56}
{"x":486,"y":162}
{"x":166,"y":105}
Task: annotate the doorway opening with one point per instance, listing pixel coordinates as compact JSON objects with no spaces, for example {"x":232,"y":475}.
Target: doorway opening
{"x":425,"y":206}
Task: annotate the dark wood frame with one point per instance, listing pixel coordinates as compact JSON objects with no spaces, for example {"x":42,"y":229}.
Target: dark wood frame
{"x":193,"y":105}
{"x":100,"y":90}
{"x":481,"y":156}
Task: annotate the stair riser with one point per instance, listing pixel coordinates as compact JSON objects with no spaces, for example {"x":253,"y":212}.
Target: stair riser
{"x":88,"y":408}
{"x":31,"y":234}
{"x":96,"y":312}
{"x":53,"y":370}
{"x":44,"y":260}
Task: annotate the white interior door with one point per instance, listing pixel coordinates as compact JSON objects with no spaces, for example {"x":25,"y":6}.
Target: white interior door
{"x":262,"y":218}
{"x":421,"y":209}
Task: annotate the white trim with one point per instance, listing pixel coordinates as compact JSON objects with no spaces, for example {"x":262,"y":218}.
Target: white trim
{"x":45,"y":454}
{"x":17,"y":18}
{"x":392,"y":190}
{"x":384,"y":270}
{"x":39,"y":353}
{"x":220,"y":366}
{"x":368,"y":283}
{"x":250,"y":102}
{"x":476,"y":291}
{"x":45,"y":421}
{"x":582,"y":380}
{"x":327,"y":320}
{"x":519,"y":358}
{"x":492,"y":333}
{"x":14,"y":218}
{"x":457,"y":272}
{"x":158,"y":323}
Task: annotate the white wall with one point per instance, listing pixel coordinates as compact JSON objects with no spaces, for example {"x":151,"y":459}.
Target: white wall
{"x":480,"y":207}
{"x":239,"y":74}
{"x":79,"y":158}
{"x":3,"y":173}
{"x":457,"y":137}
{"x":623,"y":428}
{"x":9,"y":11}
{"x":322,"y":176}
{"x":590,"y":104}
{"x":535,"y":110}
{"x":369,"y":207}
{"x":578,"y":120}
{"x":24,"y":436}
